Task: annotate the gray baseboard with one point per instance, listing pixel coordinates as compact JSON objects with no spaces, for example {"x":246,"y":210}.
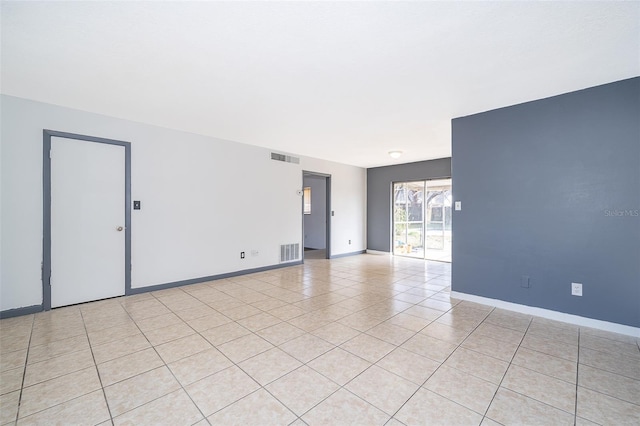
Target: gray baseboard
{"x":157,"y":287}
{"x":26,"y":310}
{"x":353,"y":253}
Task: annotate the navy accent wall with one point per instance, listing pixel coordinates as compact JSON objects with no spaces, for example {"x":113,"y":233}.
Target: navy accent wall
{"x":379,"y":181}
{"x":550,"y":189}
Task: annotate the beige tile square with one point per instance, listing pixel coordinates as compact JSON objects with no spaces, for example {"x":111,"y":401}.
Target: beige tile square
{"x":339,"y":365}
{"x":9,"y":407}
{"x":382,"y":389}
{"x":501,"y":334}
{"x":202,"y":364}
{"x":45,"y":335}
{"x":280,"y":333}
{"x":244,"y":347}
{"x":57,"y":348}
{"x":309,"y":322}
{"x":86,"y":409}
{"x":444,"y":332}
{"x":612,"y":346}
{"x":550,"y":347}
{"x":480,"y":365}
{"x":113,"y":333}
{"x":462,"y":388}
{"x":221,"y":389}
{"x":11,"y":380}
{"x":58,"y":366}
{"x":606,"y":410}
{"x":161,"y":321}
{"x":119,"y":348}
{"x":224,"y":333}
{"x":172,"y":409}
{"x":10,"y":343}
{"x":193,"y":313}
{"x":543,"y":388}
{"x":586,"y":331}
{"x":345,"y":408}
{"x":182,"y":348}
{"x":302,"y":389}
{"x":437,"y":350}
{"x":368,"y":347}
{"x":285,"y":313}
{"x":259,"y":321}
{"x":258,"y":409}
{"x":306,"y":347}
{"x":56,"y":391}
{"x":511,"y":408}
{"x":409,"y":365}
{"x":138,"y":390}
{"x":619,"y":364}
{"x":426,"y":407}
{"x":269,"y":366}
{"x":610,"y":384}
{"x":335,"y":333}
{"x":240,"y":312}
{"x":361,"y":321}
{"x":166,"y":334}
{"x":390,"y":333}
{"x":491,"y":347}
{"x":546,"y":364}
{"x":127,"y":366}
{"x":209,"y":321}
{"x":564,"y":335}
{"x":424,"y":312}
{"x":11,"y":360}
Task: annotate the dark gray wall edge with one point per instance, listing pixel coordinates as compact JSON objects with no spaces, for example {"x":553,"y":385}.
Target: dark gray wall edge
{"x":10,"y":313}
{"x":157,"y":287}
{"x":353,"y":253}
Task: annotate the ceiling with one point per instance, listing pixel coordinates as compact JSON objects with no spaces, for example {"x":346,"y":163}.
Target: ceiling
{"x":342,"y":81}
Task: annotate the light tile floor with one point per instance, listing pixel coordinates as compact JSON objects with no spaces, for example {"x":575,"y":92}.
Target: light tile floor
{"x":360,"y":340}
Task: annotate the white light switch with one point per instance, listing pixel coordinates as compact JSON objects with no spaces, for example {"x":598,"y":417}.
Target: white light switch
{"x":458,"y":205}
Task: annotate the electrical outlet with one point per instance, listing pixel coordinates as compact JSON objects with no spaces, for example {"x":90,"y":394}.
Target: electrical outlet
{"x":524,"y":281}
{"x":349,"y":241}
{"x":241,"y":255}
{"x":576,"y":289}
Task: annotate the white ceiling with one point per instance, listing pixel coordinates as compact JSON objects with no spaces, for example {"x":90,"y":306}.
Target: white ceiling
{"x":345,"y":81}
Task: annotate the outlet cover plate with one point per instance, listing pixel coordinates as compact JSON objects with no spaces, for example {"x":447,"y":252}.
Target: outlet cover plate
{"x":576,"y":289}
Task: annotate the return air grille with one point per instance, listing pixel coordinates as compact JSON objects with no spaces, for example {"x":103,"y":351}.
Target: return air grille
{"x":289,"y":252}
{"x":285,"y":158}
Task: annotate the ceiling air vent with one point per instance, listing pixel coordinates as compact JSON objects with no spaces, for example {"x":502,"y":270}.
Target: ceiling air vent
{"x":285,"y":158}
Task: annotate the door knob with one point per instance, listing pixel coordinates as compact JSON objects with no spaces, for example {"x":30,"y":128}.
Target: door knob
{"x":119,"y":228}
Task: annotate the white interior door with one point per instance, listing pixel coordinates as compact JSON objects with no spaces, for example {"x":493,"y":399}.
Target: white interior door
{"x":87,"y":221}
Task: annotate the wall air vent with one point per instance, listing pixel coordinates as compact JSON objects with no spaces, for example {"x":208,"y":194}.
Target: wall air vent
{"x":285,"y":158}
{"x":289,"y":252}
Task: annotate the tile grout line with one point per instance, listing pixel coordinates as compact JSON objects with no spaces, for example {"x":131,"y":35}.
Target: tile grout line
{"x":24,"y":372}
{"x":104,"y":395}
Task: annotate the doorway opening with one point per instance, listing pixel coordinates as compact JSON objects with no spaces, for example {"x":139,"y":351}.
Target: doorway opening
{"x":422,"y":219}
{"x":316,"y":215}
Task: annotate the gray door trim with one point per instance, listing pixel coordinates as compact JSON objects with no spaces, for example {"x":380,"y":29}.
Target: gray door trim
{"x":328,"y":206}
{"x":46,"y":184}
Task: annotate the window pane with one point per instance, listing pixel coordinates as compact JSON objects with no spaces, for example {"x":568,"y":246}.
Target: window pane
{"x":307,"y":200}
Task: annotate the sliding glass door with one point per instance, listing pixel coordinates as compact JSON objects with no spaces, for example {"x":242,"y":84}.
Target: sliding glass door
{"x":422,"y":219}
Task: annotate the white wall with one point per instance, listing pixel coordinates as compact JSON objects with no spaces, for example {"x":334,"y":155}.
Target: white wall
{"x":315,"y":234}
{"x":204,"y":200}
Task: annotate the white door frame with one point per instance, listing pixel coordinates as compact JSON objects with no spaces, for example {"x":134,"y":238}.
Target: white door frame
{"x":46,"y":183}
